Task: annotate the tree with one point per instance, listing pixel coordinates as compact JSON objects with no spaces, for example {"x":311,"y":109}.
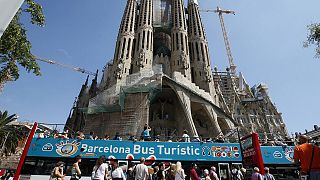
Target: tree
{"x":15,"y":48}
{"x":314,"y":38}
{"x":9,"y":135}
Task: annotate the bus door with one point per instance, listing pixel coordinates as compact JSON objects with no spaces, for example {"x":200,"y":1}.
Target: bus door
{"x":224,"y":171}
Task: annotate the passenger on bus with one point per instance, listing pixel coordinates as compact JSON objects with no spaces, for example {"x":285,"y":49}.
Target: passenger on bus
{"x":213,"y":174}
{"x":146,"y":133}
{"x":100,"y":170}
{"x":193,"y":173}
{"x":185,"y":136}
{"x":179,"y":173}
{"x":117,"y":172}
{"x":75,"y":171}
{"x":57,"y":172}
{"x":117,"y":137}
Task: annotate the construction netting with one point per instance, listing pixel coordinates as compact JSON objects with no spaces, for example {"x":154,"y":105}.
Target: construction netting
{"x":113,"y":98}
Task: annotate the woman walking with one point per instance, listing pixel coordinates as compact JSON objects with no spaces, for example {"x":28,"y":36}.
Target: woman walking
{"x":57,"y":172}
{"x":117,"y":172}
{"x":75,"y":171}
{"x":100,"y":170}
{"x":179,"y":174}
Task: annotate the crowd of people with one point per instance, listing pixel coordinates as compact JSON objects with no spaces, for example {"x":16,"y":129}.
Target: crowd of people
{"x":111,"y":170}
{"x":145,"y":136}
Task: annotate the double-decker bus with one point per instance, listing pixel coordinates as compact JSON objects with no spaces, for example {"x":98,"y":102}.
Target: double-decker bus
{"x":43,"y":153}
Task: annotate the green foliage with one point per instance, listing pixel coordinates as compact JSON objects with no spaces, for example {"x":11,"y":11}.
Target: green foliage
{"x":15,"y":48}
{"x":314,"y":38}
{"x":9,"y":135}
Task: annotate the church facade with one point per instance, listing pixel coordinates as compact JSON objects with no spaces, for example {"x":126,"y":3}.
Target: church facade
{"x":161,"y":76}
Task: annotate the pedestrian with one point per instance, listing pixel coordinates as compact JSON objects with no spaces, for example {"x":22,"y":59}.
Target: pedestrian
{"x":213,"y":174}
{"x":307,"y":156}
{"x":117,"y":172}
{"x":206,"y":174}
{"x":100,"y":170}
{"x":141,"y":170}
{"x":185,"y":136}
{"x":130,"y":171}
{"x":267,"y":175}
{"x":57,"y":172}
{"x":155,"y":173}
{"x":75,"y":171}
{"x":256,"y":175}
{"x":193,"y":173}
{"x":161,"y":173}
{"x":236,"y":173}
{"x":179,"y":173}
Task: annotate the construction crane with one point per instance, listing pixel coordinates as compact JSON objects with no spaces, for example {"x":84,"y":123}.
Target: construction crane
{"x":225,"y":35}
{"x":78,"y":69}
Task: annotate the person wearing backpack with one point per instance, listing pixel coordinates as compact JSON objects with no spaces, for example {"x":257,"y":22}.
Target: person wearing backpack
{"x":236,"y":173}
{"x":100,"y":170}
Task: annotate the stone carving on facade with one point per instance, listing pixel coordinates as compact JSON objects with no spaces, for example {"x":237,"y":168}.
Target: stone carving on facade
{"x":141,"y":58}
{"x":208,"y":73}
{"x":119,"y":69}
{"x":184,"y":60}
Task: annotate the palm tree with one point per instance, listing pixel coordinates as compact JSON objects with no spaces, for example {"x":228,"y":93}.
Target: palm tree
{"x":9,"y":135}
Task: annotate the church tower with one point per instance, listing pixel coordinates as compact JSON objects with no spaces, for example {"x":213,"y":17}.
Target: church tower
{"x":124,"y":46}
{"x":180,"y":60}
{"x":144,"y":37}
{"x":199,"y":54}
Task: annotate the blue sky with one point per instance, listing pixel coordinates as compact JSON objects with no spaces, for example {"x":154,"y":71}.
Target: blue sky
{"x":266,"y":40}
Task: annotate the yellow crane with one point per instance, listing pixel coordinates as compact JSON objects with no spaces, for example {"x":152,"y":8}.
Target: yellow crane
{"x":225,"y":35}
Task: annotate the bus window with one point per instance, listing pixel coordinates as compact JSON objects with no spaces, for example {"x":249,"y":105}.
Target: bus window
{"x":224,"y":171}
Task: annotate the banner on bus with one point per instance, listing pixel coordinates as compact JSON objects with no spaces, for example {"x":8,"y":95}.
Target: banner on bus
{"x":277,"y":154}
{"x":183,"y":151}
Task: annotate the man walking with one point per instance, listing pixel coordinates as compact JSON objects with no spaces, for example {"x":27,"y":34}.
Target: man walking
{"x":267,"y":175}
{"x":307,"y":156}
{"x":141,"y":171}
{"x":256,"y":175}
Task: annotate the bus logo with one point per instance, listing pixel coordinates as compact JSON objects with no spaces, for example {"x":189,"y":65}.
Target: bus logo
{"x":67,"y":148}
{"x":47,"y":147}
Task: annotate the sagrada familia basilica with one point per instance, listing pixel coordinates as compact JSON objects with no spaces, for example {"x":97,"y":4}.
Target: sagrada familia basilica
{"x":161,"y":75}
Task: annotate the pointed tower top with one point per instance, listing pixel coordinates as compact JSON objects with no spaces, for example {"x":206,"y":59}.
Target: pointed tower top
{"x":96,"y":76}
{"x":86,"y":83}
{"x":193,"y":2}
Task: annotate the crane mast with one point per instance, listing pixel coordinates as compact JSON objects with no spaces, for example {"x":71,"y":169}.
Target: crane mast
{"x":225,"y":36}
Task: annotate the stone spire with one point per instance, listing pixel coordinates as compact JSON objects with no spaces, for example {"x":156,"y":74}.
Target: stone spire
{"x":144,"y":37}
{"x":124,"y":46}
{"x":180,"y":60}
{"x":75,"y":119}
{"x":199,"y":54}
